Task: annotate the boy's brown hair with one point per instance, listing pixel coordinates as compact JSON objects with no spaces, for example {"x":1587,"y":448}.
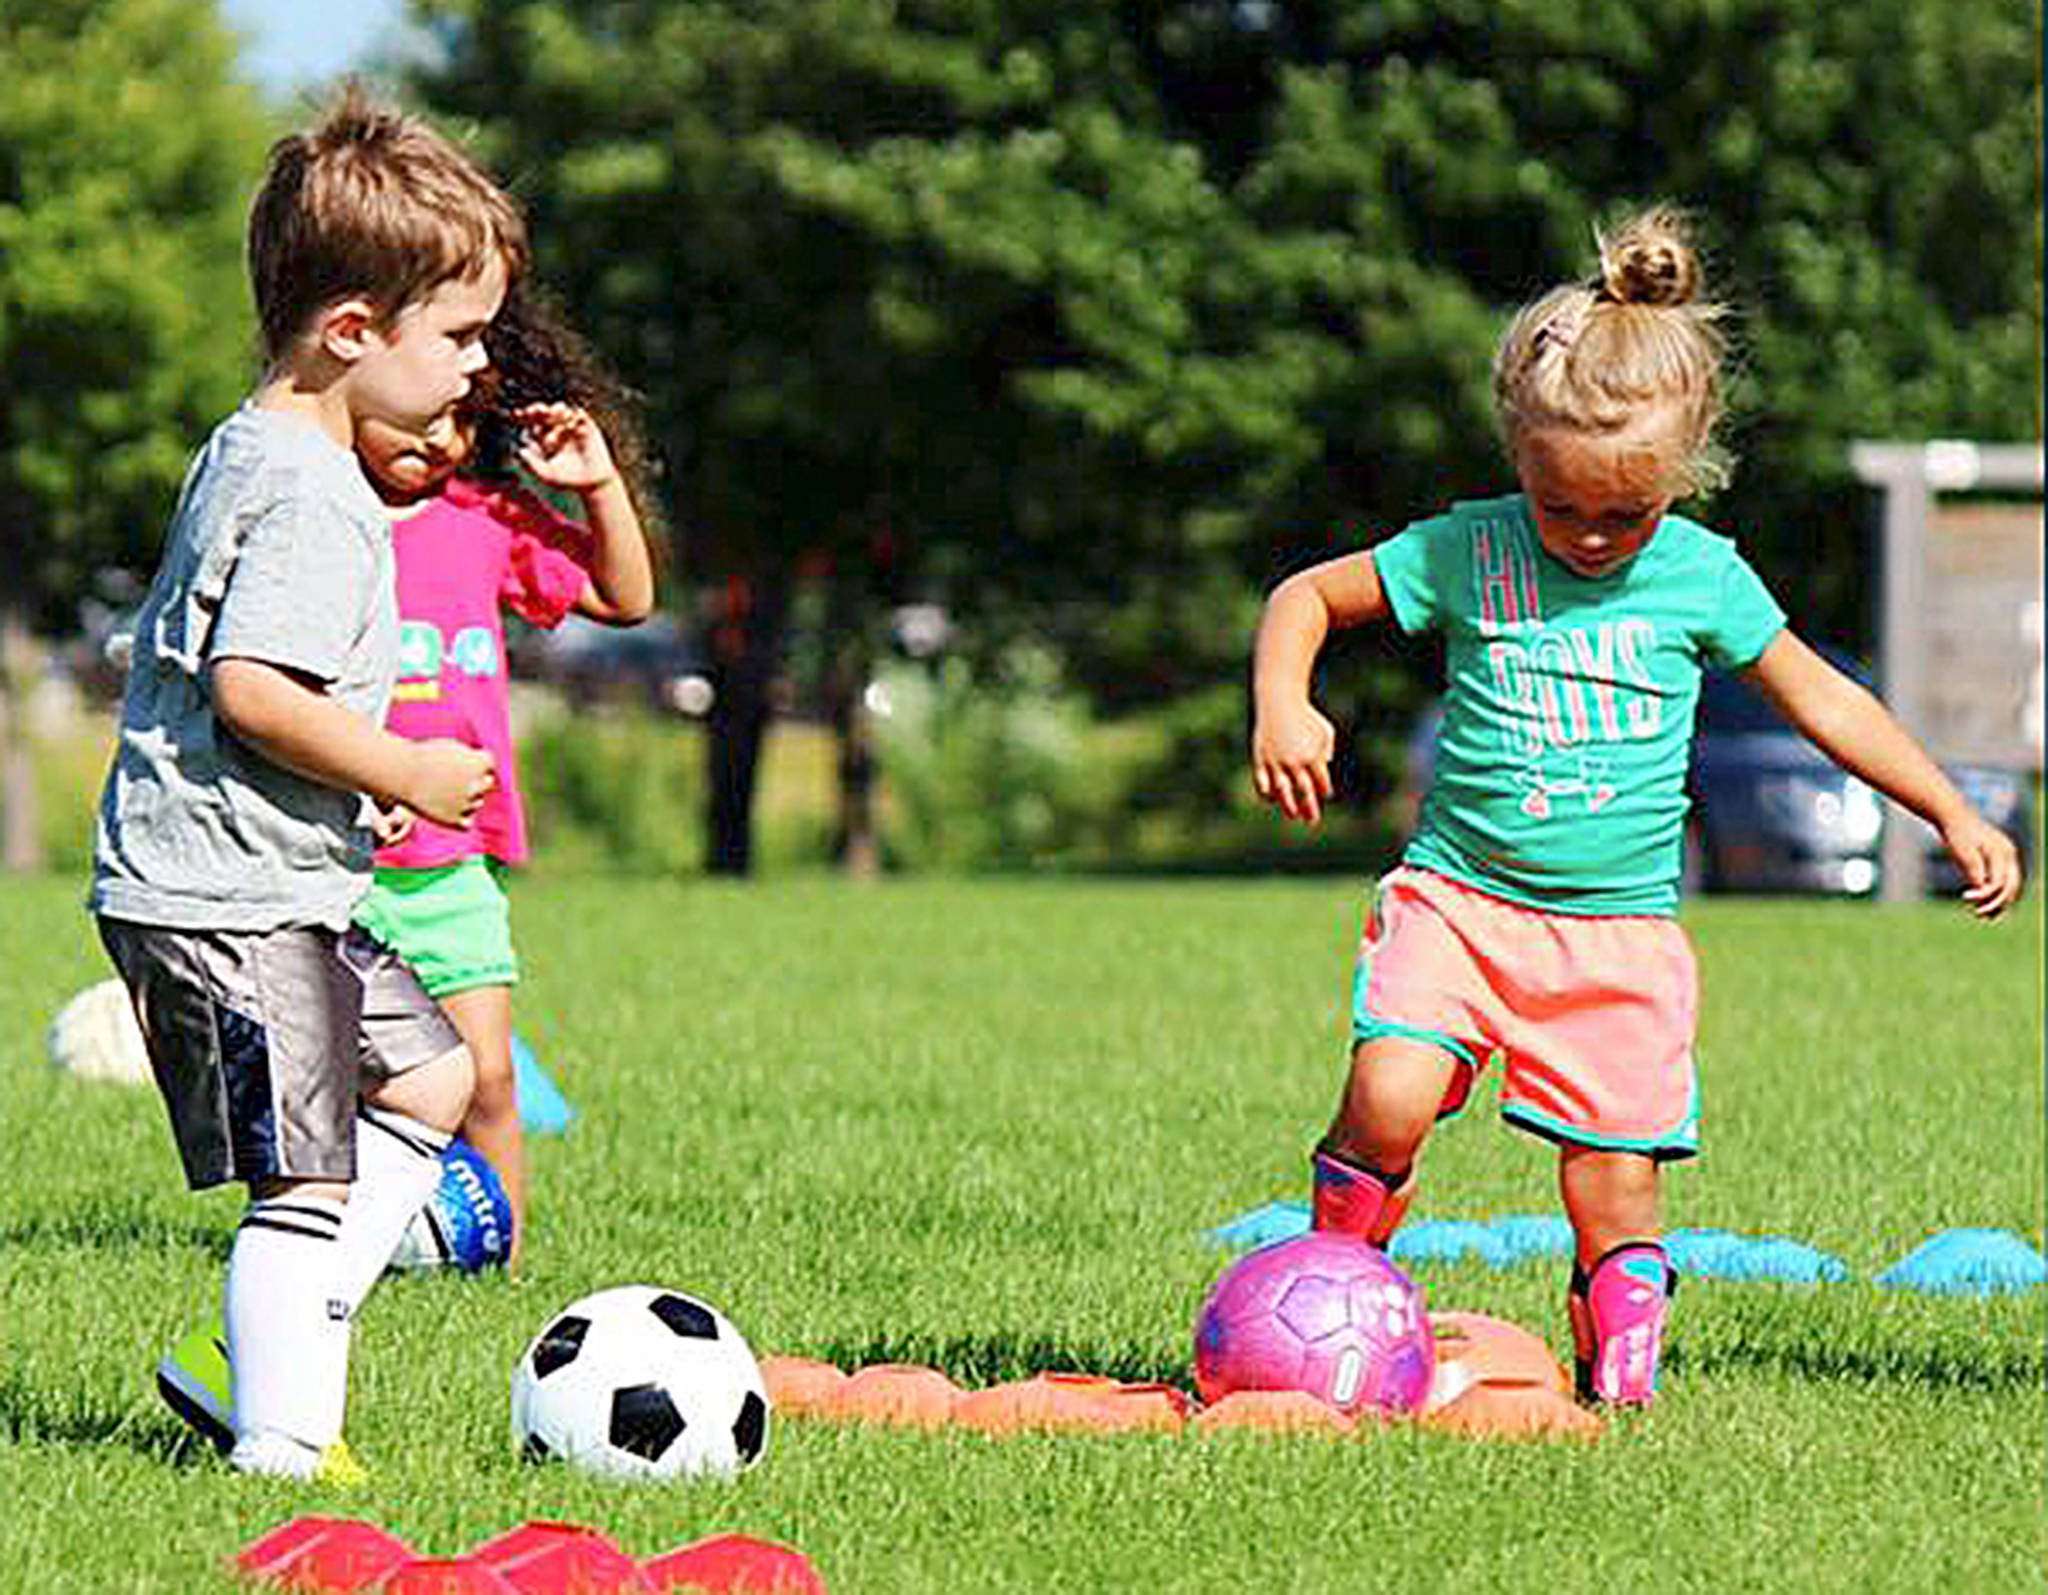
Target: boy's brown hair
{"x":373,"y":203}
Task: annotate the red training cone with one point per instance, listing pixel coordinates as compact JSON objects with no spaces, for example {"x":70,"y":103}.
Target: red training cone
{"x":545,"y":1558}
{"x":735,"y":1564}
{"x":446,"y":1575}
{"x":321,"y":1554}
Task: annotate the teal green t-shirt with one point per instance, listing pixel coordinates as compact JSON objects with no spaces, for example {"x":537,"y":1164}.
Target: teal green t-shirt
{"x":1560,"y":765}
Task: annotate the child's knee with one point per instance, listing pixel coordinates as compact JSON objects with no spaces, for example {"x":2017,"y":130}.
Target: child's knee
{"x":494,"y":1072}
{"x":495,"y":1096}
{"x":1392,"y":1099}
{"x":437,"y":1093}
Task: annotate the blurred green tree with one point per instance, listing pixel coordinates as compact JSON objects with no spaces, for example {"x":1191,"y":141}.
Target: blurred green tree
{"x":127,"y":151}
{"x":1091,"y":318}
{"x":924,"y":298}
{"x":1868,"y":177}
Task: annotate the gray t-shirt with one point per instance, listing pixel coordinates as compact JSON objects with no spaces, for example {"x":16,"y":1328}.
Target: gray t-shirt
{"x":279,"y":552}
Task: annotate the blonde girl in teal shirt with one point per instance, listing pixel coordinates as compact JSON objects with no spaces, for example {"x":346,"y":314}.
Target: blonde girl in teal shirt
{"x":1532,"y":916}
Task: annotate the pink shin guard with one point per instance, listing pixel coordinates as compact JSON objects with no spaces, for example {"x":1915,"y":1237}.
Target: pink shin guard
{"x":1347,"y":1199}
{"x":1619,"y":1316}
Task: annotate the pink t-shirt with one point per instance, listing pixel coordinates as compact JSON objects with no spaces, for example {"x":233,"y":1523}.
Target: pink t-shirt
{"x":469,"y":555}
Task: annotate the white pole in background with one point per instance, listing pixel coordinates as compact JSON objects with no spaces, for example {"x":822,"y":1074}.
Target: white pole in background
{"x":1909,"y":475}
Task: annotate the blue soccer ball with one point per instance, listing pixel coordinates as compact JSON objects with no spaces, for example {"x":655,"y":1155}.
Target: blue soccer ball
{"x":465,"y":1225}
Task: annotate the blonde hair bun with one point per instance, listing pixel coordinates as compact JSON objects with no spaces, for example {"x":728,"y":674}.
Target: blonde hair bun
{"x":1591,"y":354}
{"x":1649,"y":260}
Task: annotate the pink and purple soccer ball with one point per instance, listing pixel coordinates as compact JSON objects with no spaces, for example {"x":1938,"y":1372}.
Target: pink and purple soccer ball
{"x":1322,"y":1313}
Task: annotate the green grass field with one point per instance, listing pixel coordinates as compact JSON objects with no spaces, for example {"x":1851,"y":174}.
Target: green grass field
{"x":983,"y":1126}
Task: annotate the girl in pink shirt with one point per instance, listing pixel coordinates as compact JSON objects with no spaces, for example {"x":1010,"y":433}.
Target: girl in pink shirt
{"x":471,"y":543}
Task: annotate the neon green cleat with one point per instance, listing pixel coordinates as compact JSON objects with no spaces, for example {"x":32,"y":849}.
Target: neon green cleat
{"x":196,"y":1383}
{"x":194,"y":1380}
{"x":339,"y":1469}
{"x":279,"y":1456}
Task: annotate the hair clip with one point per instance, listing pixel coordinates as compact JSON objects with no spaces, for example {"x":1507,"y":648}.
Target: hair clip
{"x":1559,"y":334}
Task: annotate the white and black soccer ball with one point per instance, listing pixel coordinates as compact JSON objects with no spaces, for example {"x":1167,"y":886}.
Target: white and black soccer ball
{"x":465,"y":1225}
{"x":95,"y":1036}
{"x":639,"y":1382}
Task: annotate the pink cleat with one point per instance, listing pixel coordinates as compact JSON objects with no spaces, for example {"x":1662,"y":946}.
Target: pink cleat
{"x":1618,"y":1323}
{"x":1347,"y":1199}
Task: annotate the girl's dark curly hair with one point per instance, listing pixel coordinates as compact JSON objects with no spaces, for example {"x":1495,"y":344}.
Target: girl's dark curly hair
{"x":538,"y":358}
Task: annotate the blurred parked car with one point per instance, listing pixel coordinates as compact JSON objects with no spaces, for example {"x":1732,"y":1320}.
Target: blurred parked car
{"x":1772,"y":813}
{"x":656,"y":664}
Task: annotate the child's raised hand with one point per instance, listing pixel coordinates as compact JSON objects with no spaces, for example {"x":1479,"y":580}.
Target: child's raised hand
{"x":564,"y":447}
{"x":1291,"y":755}
{"x":1992,"y":876}
{"x":449,"y":780}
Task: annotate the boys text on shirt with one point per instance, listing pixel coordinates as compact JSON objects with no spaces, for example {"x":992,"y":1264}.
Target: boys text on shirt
{"x":1560,"y":765}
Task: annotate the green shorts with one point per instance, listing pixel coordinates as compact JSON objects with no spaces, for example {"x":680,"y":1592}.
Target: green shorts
{"x":451,"y":924}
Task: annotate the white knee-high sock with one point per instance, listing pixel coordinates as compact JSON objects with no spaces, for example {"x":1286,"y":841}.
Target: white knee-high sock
{"x":398,"y":1164}
{"x":287,"y":1321}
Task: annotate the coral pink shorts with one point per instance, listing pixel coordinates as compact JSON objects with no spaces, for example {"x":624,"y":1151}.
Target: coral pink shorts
{"x":1592,"y":1015}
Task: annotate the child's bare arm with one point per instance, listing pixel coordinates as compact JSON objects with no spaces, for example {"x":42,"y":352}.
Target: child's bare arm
{"x":1292,"y":741}
{"x":566,"y":448}
{"x":621,"y":587}
{"x":1855,"y":730}
{"x":296,"y":725}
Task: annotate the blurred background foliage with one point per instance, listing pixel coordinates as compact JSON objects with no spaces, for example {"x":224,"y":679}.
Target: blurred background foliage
{"x":1084,"y":321}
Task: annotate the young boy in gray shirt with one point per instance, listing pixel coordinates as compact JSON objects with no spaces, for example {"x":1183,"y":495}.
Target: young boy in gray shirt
{"x":252,"y":776}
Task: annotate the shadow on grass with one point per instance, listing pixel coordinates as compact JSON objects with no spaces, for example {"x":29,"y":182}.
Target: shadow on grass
{"x":974,"y":1361}
{"x":116,"y":1226}
{"x":1337,"y":857}
{"x":30,"y":1415}
{"x":1236,"y":867}
{"x":1978,"y":1365}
